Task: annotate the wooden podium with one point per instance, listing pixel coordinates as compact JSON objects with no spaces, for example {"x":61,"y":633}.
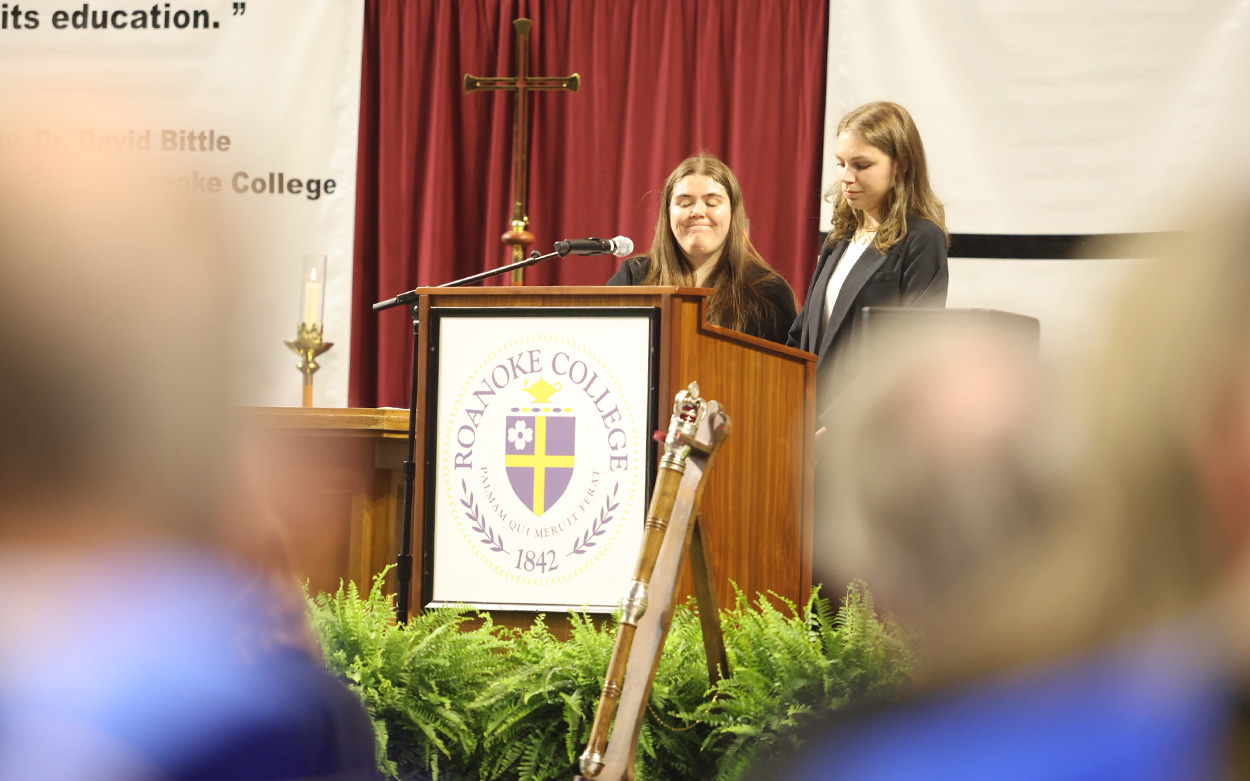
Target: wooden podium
{"x":757,"y":507}
{"x":332,"y":483}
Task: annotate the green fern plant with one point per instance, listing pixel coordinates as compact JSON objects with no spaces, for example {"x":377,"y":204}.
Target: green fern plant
{"x":486,"y":702}
{"x":536,"y":719}
{"x":791,"y":669}
{"x":417,"y":680}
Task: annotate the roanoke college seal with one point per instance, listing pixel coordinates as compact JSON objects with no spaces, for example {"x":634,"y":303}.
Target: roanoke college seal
{"x":536,"y":459}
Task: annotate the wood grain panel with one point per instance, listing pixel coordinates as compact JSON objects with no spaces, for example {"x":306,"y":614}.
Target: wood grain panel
{"x":757,"y":507}
{"x":332,"y":478}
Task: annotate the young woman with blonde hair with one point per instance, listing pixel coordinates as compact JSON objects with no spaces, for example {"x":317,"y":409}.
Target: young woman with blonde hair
{"x":701,"y":240}
{"x":887,"y":246}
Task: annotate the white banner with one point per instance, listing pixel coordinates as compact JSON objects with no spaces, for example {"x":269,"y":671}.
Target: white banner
{"x":1054,"y":116}
{"x":540,"y":439}
{"x":254,"y":104}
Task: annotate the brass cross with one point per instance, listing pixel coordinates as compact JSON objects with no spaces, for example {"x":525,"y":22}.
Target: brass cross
{"x":517,"y":236}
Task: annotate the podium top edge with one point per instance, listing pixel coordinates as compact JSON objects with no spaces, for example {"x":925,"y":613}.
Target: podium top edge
{"x":571,"y":290}
{"x":618,"y":292}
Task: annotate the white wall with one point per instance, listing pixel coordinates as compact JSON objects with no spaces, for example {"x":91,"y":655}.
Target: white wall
{"x":281,"y":79}
{"x":1069,"y":297}
{"x":1054,"y":117}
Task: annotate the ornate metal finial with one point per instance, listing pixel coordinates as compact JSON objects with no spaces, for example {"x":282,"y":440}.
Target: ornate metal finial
{"x":688,"y":412}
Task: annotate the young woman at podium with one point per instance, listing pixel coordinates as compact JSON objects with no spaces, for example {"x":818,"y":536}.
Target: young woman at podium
{"x":701,"y":241}
{"x":887,"y":246}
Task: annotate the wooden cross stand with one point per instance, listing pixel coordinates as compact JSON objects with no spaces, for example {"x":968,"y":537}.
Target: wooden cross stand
{"x":521,"y":85}
{"x":695,"y":433}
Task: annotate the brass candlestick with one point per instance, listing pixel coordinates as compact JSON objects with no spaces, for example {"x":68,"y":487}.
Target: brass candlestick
{"x":308,"y":344}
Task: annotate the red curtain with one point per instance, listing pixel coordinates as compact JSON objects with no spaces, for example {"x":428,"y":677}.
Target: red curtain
{"x":661,"y":79}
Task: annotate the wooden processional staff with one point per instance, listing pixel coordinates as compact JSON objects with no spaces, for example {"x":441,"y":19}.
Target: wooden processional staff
{"x":695,"y":433}
{"x":520,"y":85}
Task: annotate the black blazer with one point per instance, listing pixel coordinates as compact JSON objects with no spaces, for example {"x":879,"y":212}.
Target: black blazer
{"x":912,"y":273}
{"x":774,"y":288}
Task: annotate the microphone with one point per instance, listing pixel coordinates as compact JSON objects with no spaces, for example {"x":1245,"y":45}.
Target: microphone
{"x":620,"y":247}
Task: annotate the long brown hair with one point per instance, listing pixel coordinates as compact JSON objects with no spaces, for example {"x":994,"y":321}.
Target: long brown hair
{"x":889,"y":127}
{"x":735,"y":280}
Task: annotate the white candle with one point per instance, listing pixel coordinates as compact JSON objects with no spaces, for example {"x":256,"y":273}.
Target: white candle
{"x":312,"y":301}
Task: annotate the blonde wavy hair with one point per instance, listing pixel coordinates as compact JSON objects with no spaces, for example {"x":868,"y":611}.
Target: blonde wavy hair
{"x":889,"y":127}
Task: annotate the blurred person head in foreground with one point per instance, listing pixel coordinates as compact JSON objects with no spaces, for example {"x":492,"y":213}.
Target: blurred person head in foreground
{"x":1158,"y":534}
{"x":936,"y":465}
{"x":1114,"y":642}
{"x":135,"y":644}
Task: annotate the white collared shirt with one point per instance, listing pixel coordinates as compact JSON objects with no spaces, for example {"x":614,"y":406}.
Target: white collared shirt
{"x":853,"y":250}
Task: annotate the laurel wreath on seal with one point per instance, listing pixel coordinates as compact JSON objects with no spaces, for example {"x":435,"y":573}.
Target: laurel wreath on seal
{"x":478,"y":524}
{"x":597,"y":527}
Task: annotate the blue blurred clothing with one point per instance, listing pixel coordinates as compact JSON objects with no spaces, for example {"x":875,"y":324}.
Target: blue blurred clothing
{"x":1156,"y":710}
{"x":161,"y":663}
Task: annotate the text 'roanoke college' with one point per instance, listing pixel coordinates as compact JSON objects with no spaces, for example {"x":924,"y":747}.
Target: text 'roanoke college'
{"x":273,"y":184}
{"x":530,"y":362}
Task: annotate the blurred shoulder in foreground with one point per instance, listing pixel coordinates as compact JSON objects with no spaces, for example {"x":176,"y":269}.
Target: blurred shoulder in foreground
{"x":1076,"y":574}
{"x":138,"y":642}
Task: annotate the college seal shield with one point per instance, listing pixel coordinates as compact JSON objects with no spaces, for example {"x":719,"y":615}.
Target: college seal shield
{"x":536,"y":459}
